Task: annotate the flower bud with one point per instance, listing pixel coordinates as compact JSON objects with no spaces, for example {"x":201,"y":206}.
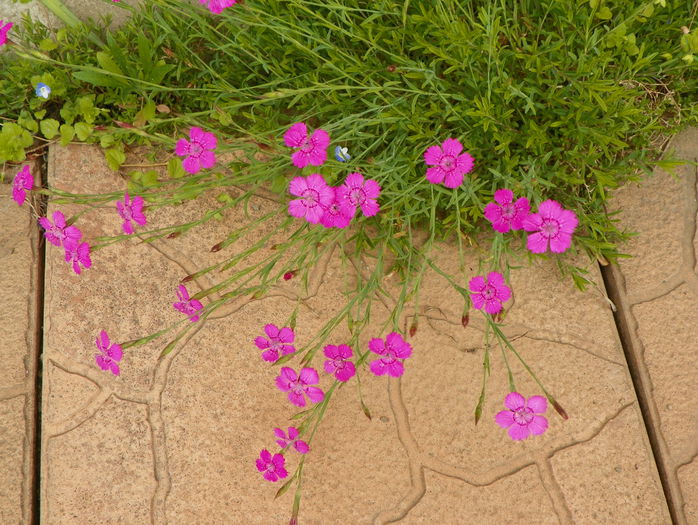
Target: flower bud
{"x":465,"y":320}
{"x":391,"y":68}
{"x":217,"y":247}
{"x":290,"y":275}
{"x":187,"y":279}
{"x":413,"y":329}
{"x":558,"y":408}
{"x":173,"y":235}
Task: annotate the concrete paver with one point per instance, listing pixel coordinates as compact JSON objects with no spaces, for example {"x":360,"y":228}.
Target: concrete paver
{"x":176,"y":439}
{"x":658,"y":291}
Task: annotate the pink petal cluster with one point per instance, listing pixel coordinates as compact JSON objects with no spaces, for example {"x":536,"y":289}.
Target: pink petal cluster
{"x":58,"y":233}
{"x":490,"y":293}
{"x":217,"y":6}
{"x":449,"y":165}
{"x":552,"y":226}
{"x":522,"y":417}
{"x":186,"y":305}
{"x":109,"y":355}
{"x":312,"y":149}
{"x":131,"y":211}
{"x":3,"y":32}
{"x":283,"y":441}
{"x":338,"y":362}
{"x":273,"y":467}
{"x":275,"y":346}
{"x":504,"y":213}
{"x":393,"y":348}
{"x":22,"y":181}
{"x":198,"y":151}
{"x":298,"y":385}
{"x":359,"y":193}
{"x":315,"y":195}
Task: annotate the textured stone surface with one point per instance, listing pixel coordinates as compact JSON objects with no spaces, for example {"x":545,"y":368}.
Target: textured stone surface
{"x":659,"y":295}
{"x":18,"y":274}
{"x":177,"y":438}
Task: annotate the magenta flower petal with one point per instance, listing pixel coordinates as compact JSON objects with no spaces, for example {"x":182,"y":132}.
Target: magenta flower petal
{"x":452,"y":147}
{"x":395,"y":369}
{"x":377,"y":367}
{"x":344,"y":351}
{"x":314,"y":394}
{"x":514,"y":401}
{"x":538,"y":404}
{"x":560,"y":243}
{"x":271,"y":355}
{"x":191,"y":164}
{"x":477,"y":284}
{"x":296,"y":136}
{"x":505,"y":418}
{"x":296,"y":398}
{"x":309,"y":376}
{"x":346,"y":373}
{"x":182,"y":147}
{"x":537,"y":243}
{"x":435,"y":175}
{"x":453,"y":179}
{"x":519,"y":432}
{"x":432,"y":155}
{"x":207,"y":159}
{"x":538,"y":425}
{"x":271,"y":330}
{"x":301,"y":446}
{"x":503,"y":196}
{"x":377,"y":346}
{"x":286,"y":335}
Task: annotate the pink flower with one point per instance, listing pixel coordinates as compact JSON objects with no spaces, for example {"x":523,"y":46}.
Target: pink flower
{"x":58,"y":233}
{"x":131,"y":211}
{"x":273,"y":468}
{"x":313,"y":150}
{"x":109,"y":355}
{"x":337,"y":363}
{"x":505,"y":214}
{"x":77,"y":254}
{"x":275,"y":343}
{"x":490,"y":294}
{"x":394,"y":348}
{"x":339,"y":213}
{"x":448,"y":164}
{"x":186,"y":305}
{"x":552,"y":223}
{"x":521,"y":418}
{"x":316,"y":197}
{"x":356,"y":192}
{"x":3,"y":32}
{"x":300,"y":446}
{"x":217,"y":6}
{"x":23,"y":181}
{"x":197,"y":150}
{"x":296,"y":386}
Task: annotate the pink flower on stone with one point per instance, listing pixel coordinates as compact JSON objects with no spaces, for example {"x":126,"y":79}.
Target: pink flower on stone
{"x":552,"y":224}
{"x":313,"y":150}
{"x":3,"y":32}
{"x":273,"y":467}
{"x":505,"y":214}
{"x":275,"y":346}
{"x":297,"y":385}
{"x":300,"y":446}
{"x":217,"y":6}
{"x":394,"y":348}
{"x":110,"y":354}
{"x":316,"y":197}
{"x":131,"y":211}
{"x":58,"y":233}
{"x":23,"y":181}
{"x":359,"y":193}
{"x":491,"y":293}
{"x":337,"y":363}
{"x":197,"y":150}
{"x":522,"y":418}
{"x":449,"y":165}
{"x":186,"y":305}
{"x":77,"y":254}
{"x":339,"y":213}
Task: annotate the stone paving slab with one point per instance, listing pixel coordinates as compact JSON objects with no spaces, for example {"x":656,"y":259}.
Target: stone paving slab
{"x":659,"y":294}
{"x":173,"y":441}
{"x":18,"y":347}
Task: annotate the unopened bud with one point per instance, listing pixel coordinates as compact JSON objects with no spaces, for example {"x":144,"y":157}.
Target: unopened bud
{"x":413,"y":329}
{"x":465,"y":320}
{"x":294,"y":521}
{"x":558,"y":408}
{"x":187,"y":279}
{"x":173,"y":235}
{"x":217,"y":247}
{"x":391,"y":68}
{"x":290,"y":275}
{"x":498,"y":316}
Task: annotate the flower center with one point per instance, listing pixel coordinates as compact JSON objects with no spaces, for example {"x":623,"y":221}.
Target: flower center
{"x":270,"y":467}
{"x":523,"y":416}
{"x":447,"y":162}
{"x":489,"y":292}
{"x":275,"y":344}
{"x":297,"y":387}
{"x":310,"y":197}
{"x":127,"y":213}
{"x":357,"y":196}
{"x":338,"y":363}
{"x":550,"y":227}
{"x":509,"y":210}
{"x":195,"y":149}
{"x":307,"y":146}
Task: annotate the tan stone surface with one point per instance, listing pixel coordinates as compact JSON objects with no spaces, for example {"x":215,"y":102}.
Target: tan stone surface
{"x":659,"y":293}
{"x":177,"y":438}
{"x":18,"y":273}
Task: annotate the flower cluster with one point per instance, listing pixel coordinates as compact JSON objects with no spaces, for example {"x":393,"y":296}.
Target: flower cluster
{"x":333,"y":207}
{"x":60,"y":234}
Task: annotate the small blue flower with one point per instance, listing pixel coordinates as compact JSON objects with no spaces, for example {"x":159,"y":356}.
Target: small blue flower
{"x":341,"y":154}
{"x":42,"y":90}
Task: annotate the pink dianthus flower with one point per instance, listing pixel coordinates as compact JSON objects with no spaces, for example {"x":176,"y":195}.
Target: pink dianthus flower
{"x":316,"y":197}
{"x":360,"y":193}
{"x":58,"y":233}
{"x":522,"y":417}
{"x":109,"y":354}
{"x":338,"y":362}
{"x":275,"y":345}
{"x":186,"y":305}
{"x":273,"y":467}
{"x":339,"y":213}
{"x":3,"y":32}
{"x":491,"y":293}
{"x":505,"y":214}
{"x":552,"y":225}
{"x":197,"y":151}
{"x":297,"y":385}
{"x":217,"y":6}
{"x":131,"y":210}
{"x":313,"y":149}
{"x":393,"y":348}
{"x":449,"y":165}
{"x":300,"y":446}
{"x":77,"y":253}
{"x":22,"y":181}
